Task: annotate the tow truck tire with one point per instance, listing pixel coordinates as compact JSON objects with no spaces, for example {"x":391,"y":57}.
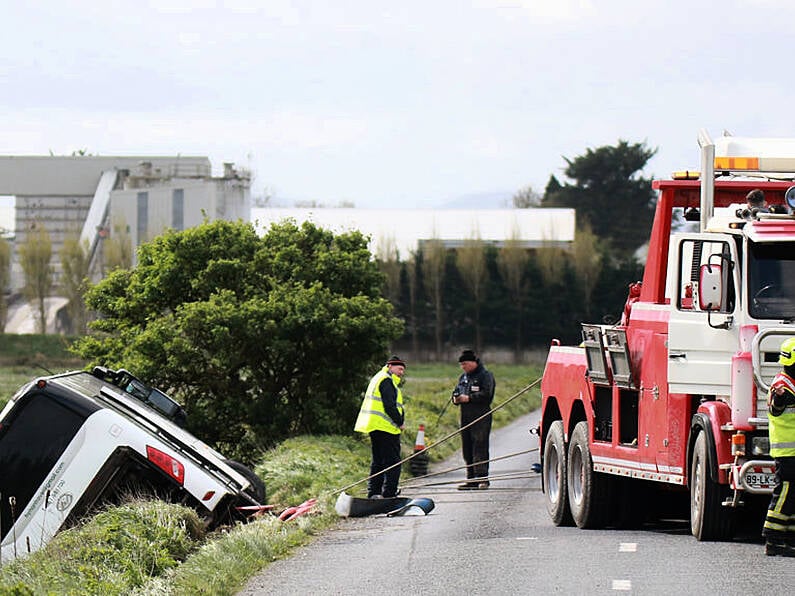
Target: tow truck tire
{"x":589,"y":492}
{"x":709,"y":519}
{"x":554,"y":476}
{"x":257,"y":488}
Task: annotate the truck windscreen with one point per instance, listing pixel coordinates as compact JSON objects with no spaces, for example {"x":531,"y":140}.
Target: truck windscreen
{"x":33,"y":440}
{"x":771,"y":280}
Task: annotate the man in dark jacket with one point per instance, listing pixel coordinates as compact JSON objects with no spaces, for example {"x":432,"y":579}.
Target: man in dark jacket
{"x":474,"y":394}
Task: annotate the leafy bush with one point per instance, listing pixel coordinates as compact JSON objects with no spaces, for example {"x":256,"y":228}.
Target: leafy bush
{"x":261,"y":338}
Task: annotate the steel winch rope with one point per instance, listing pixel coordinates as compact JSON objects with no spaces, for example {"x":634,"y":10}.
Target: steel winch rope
{"x":435,"y":491}
{"x":477,"y":463}
{"x":432,"y":491}
{"x":490,"y":478}
{"x":442,"y":440}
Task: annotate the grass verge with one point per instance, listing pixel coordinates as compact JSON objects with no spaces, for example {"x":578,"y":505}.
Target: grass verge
{"x":157,"y":549}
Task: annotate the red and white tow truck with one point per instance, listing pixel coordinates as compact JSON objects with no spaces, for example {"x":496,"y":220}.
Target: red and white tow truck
{"x":672,"y":399}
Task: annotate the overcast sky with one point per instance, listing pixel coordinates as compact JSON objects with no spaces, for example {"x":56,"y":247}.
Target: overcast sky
{"x":409,"y":103}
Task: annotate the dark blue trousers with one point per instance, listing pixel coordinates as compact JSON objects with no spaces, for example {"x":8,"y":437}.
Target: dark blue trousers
{"x":386,"y":452}
{"x":475,"y":446}
{"x":780,"y":520}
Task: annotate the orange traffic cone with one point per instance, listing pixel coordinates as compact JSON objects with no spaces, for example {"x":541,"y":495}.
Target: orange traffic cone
{"x":419,"y":461}
{"x":419,"y":444}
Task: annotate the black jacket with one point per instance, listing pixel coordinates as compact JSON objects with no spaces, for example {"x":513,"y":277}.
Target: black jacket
{"x":479,"y":386}
{"x":389,"y":399}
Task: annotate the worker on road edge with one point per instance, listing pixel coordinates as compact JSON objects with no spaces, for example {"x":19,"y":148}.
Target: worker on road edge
{"x":779,"y":527}
{"x":381,"y":416}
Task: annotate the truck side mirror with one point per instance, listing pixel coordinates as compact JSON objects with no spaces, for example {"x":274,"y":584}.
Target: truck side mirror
{"x":710,"y":293}
{"x":710,"y":287}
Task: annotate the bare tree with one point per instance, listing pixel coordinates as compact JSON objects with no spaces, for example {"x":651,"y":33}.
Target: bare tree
{"x":388,"y":261}
{"x":118,"y":248}
{"x":587,"y":259}
{"x":35,"y":255}
{"x":74,"y":281}
{"x":526,"y":198}
{"x":551,"y":261}
{"x":5,"y":280}
{"x":512,"y":262}
{"x":412,"y":275}
{"x":434,"y":255}
{"x":471,"y":263}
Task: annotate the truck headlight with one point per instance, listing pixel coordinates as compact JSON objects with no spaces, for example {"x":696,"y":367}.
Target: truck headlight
{"x":760,"y":445}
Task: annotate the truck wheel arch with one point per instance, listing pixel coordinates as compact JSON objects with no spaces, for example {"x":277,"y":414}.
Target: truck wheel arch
{"x":701,"y":423}
{"x":552,"y":412}
{"x":709,"y":518}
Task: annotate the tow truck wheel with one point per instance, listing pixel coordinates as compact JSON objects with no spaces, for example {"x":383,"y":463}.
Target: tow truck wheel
{"x":554,"y":476}
{"x":709,"y":519}
{"x":589,"y":491}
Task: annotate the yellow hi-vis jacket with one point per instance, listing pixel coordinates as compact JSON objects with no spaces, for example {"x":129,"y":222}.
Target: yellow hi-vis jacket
{"x":372,"y":415}
{"x":782,"y":427}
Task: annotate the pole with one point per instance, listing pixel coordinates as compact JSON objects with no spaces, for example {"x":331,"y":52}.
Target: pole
{"x":444,"y":409}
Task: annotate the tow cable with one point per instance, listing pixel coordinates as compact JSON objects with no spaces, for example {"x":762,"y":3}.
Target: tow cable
{"x":445,"y":439}
{"x":505,"y":476}
{"x":423,"y":503}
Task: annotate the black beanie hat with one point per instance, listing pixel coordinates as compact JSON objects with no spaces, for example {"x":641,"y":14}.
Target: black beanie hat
{"x":756,"y":197}
{"x":467,"y":355}
{"x":396,"y":360}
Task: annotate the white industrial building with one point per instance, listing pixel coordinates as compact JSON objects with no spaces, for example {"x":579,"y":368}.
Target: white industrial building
{"x":99,"y":198}
{"x":405,"y":230}
{"x":93,"y":198}
{"x":88,"y":196}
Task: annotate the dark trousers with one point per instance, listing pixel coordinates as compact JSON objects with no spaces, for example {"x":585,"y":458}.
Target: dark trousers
{"x":386,"y":452}
{"x":780,"y":519}
{"x":475,"y":446}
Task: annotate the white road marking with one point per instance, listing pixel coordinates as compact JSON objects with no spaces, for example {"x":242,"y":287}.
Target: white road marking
{"x":527,"y":537}
{"x":627,"y":547}
{"x":622,"y":585}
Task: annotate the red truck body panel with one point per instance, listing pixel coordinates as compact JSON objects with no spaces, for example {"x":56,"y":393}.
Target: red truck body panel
{"x":642,"y":428}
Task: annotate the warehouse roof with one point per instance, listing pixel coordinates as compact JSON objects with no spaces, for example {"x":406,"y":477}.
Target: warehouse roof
{"x":407,"y":229}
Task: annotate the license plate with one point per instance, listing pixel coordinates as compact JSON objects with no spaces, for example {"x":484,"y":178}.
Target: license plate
{"x":759,"y":480}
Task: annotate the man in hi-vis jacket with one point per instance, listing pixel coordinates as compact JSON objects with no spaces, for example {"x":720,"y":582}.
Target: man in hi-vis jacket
{"x":381,"y":417}
{"x":779,"y":528}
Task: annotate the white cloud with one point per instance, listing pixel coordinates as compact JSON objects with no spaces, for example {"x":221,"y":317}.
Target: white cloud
{"x":546,"y":10}
{"x":409,"y":101}
{"x":286,"y":130}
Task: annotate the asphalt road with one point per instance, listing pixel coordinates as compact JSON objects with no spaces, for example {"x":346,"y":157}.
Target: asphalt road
{"x":501,"y":541}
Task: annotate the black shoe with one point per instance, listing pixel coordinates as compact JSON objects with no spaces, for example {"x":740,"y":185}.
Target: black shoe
{"x":773,"y":549}
{"x":483,"y":485}
{"x":468,"y":486}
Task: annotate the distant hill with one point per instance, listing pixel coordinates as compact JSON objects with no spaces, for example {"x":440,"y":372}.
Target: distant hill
{"x":480,"y":200}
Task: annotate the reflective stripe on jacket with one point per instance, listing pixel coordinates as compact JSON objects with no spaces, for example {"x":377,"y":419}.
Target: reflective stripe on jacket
{"x":782,"y":427}
{"x":372,"y":415}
